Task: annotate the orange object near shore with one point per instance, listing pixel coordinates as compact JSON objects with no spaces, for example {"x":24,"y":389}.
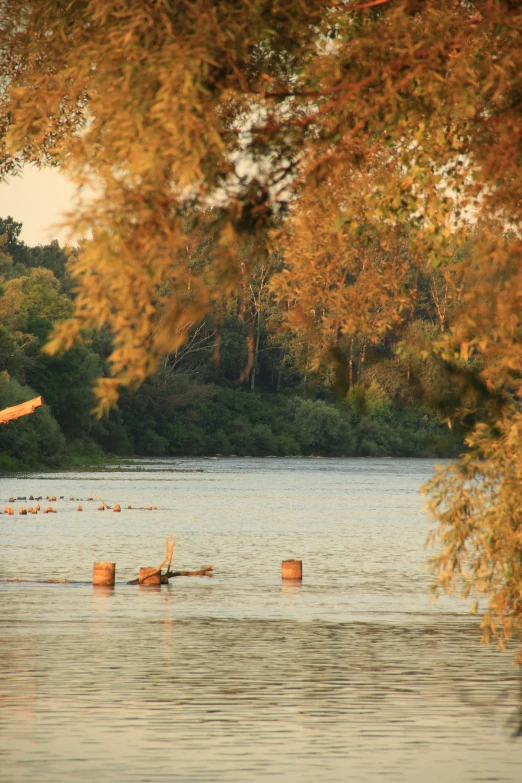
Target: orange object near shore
{"x":9,"y":414}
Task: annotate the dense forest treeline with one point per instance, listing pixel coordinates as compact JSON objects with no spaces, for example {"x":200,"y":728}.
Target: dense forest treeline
{"x":265,"y":395}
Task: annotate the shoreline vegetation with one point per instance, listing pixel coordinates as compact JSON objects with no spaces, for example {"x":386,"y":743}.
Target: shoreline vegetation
{"x":109,"y":464}
{"x":192,"y":406}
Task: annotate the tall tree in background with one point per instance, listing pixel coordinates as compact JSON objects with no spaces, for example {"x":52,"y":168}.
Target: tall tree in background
{"x":349,"y":135}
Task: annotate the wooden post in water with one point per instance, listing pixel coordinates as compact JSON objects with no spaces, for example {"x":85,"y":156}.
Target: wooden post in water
{"x":104,"y":574}
{"x":149,"y":576}
{"x":292,"y":569}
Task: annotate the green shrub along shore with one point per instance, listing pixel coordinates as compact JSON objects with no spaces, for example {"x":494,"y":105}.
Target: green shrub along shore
{"x":231,"y":422}
{"x":193,"y":406}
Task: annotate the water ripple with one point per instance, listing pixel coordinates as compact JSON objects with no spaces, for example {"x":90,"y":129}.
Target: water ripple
{"x":353,"y":675}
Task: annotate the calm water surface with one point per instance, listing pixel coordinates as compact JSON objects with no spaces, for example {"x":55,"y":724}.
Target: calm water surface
{"x":353,"y":676}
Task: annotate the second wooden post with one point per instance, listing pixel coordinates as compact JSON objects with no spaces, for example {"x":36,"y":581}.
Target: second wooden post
{"x":292,"y":569}
{"x":149,"y":576}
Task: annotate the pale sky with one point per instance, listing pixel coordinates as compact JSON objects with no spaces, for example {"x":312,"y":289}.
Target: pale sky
{"x":37,"y":199}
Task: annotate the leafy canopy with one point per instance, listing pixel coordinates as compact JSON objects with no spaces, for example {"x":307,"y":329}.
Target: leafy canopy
{"x":347,"y":135}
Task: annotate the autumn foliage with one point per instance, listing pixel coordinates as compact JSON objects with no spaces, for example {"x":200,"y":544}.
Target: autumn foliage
{"x":367,"y":142}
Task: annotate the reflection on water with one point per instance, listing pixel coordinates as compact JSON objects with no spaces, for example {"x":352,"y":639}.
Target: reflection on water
{"x":102,"y":591}
{"x":289,"y":587}
{"x":352,"y":675}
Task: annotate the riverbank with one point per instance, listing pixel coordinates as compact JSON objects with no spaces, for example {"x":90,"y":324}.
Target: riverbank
{"x":227,"y":423}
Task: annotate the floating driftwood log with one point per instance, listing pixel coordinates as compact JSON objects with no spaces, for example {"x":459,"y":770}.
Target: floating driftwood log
{"x":42,"y":581}
{"x":155,"y":576}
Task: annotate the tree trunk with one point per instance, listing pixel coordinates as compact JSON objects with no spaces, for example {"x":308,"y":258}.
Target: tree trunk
{"x":361,"y":363}
{"x":350,"y":365}
{"x":256,"y":355}
{"x":279,"y":370}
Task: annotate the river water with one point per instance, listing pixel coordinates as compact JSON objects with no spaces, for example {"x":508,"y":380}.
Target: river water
{"x":353,"y":675}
